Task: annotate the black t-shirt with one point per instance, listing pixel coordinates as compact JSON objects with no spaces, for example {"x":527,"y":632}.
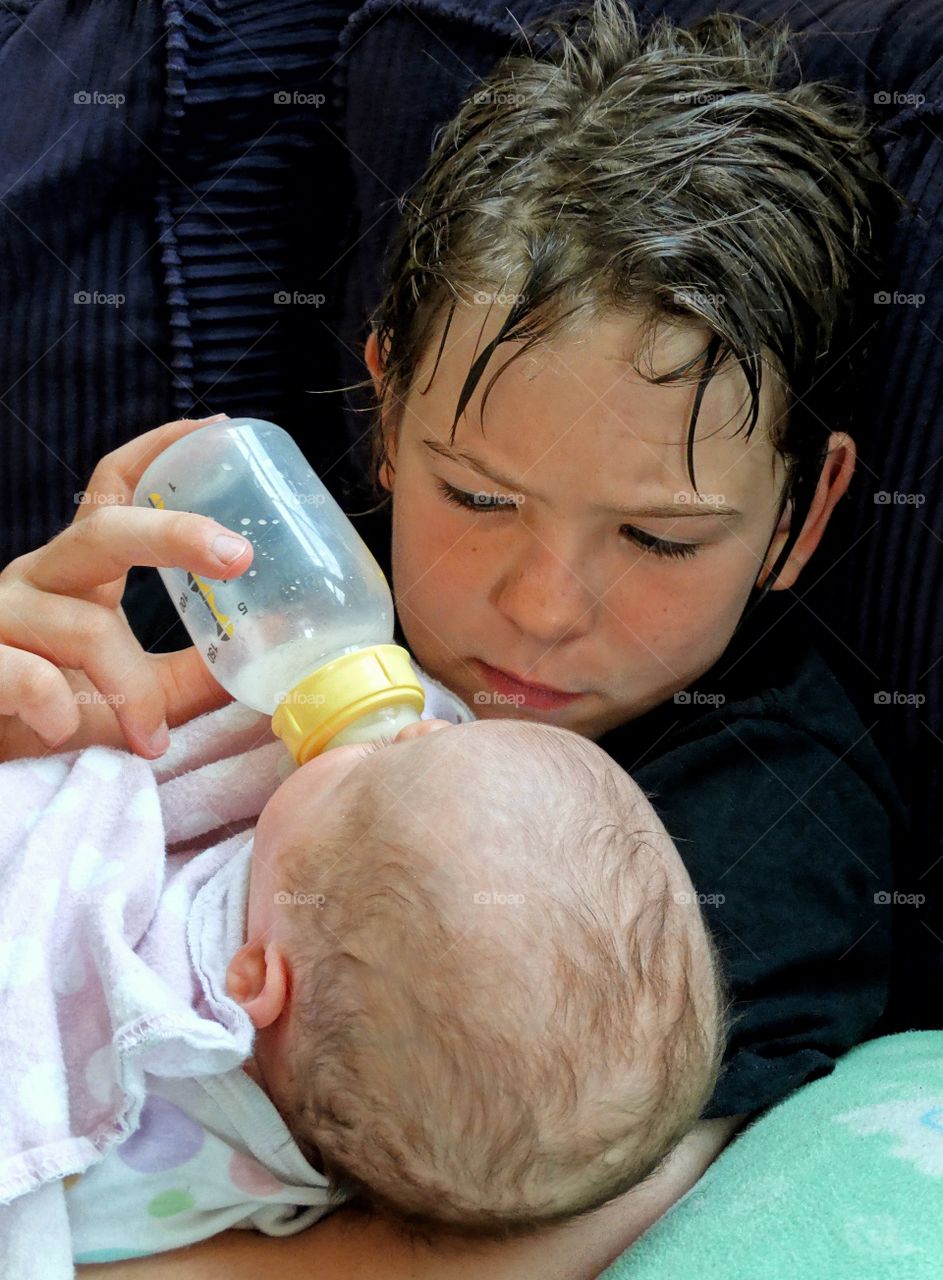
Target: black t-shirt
{"x":786,"y":818}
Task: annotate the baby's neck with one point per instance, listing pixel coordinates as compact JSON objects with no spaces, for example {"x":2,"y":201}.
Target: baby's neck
{"x":251,"y":1068}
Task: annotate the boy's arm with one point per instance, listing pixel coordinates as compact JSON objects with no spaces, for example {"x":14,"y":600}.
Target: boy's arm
{"x":350,"y":1245}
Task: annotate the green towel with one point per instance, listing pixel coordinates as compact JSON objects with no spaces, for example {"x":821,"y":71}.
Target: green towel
{"x":842,"y":1181}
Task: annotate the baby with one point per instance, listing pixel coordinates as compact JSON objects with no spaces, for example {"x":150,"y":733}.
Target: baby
{"x":502,"y":1008}
{"x":472,"y":969}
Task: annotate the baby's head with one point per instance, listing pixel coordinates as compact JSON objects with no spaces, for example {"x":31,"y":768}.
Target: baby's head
{"x":485,"y":995}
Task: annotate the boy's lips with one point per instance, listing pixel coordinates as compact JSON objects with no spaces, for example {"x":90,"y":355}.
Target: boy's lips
{"x":541,"y":697}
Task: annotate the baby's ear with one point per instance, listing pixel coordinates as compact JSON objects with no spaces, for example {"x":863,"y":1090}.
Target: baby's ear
{"x":257,"y":979}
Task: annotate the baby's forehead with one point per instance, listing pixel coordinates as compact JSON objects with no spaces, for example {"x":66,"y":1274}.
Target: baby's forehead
{"x":501,"y":806}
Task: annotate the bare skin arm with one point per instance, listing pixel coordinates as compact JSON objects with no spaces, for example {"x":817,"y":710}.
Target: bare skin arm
{"x":350,"y":1245}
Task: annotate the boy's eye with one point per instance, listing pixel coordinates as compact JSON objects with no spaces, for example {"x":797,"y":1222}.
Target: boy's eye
{"x":488,"y":502}
{"x":659,"y":546}
{"x":477,"y":501}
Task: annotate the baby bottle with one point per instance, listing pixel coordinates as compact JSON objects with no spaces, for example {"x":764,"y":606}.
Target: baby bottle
{"x":305,"y":633}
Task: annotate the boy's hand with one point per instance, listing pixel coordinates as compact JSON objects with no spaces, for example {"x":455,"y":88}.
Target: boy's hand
{"x":71,"y":671}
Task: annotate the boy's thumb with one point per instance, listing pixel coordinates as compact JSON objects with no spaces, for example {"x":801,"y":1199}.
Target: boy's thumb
{"x":189,"y":689}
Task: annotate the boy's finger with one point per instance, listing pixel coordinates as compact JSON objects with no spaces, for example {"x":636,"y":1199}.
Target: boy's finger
{"x":115,"y":477}
{"x":38,"y":694}
{"x":79,"y":636}
{"x":189,"y":689}
{"x":112,"y":540}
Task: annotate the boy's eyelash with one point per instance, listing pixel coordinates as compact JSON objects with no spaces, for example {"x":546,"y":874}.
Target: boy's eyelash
{"x":475,"y":501}
{"x":660,"y":546}
{"x":480,"y":502}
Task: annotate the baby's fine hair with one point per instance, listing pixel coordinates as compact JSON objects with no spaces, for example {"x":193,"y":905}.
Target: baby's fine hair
{"x":493,"y":1061}
{"x":665,"y":173}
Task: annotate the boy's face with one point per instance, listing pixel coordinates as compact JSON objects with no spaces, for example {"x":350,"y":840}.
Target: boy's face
{"x":544,"y":574}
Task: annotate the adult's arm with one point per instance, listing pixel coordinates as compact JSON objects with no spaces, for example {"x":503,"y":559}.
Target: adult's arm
{"x":352,"y":1245}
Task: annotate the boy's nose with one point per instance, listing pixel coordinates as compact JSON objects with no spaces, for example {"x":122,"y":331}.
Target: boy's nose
{"x":546,"y":597}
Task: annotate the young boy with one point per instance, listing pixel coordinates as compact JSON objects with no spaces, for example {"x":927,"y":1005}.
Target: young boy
{"x":615,"y":238}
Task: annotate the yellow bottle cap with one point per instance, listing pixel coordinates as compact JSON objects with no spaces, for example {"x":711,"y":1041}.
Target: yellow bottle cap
{"x":335,"y":695}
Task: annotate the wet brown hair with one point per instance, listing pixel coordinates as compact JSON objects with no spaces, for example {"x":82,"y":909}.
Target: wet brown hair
{"x":602,"y":169}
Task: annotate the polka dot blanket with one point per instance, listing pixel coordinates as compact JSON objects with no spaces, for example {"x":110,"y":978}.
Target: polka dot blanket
{"x":106,"y":1010}
{"x":96,"y":978}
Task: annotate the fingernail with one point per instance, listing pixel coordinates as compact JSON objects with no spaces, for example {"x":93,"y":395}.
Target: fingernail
{"x":160,"y":741}
{"x":217,"y":417}
{"x":228,"y":547}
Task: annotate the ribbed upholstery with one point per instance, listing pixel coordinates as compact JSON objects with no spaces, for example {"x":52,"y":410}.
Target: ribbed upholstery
{"x":250,"y":206}
{"x":77,"y":215}
{"x":198,"y":199}
{"x":871,"y":595}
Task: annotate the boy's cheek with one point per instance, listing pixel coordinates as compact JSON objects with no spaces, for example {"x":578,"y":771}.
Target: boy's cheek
{"x":435,"y":547}
{"x":666,"y":625}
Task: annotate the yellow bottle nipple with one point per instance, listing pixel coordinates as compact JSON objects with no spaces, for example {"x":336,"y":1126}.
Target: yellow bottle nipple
{"x":341,"y":692}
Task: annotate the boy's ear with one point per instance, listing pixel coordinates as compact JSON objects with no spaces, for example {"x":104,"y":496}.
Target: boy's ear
{"x":257,"y":978}
{"x":835,"y":477}
{"x":371,"y":355}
